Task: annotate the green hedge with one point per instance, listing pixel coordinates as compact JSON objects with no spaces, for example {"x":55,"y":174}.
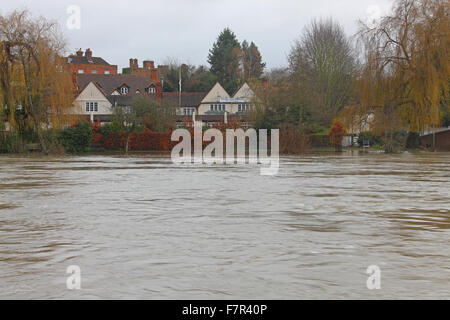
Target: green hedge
{"x":77,"y":139}
{"x":372,"y":138}
{"x":110,"y":128}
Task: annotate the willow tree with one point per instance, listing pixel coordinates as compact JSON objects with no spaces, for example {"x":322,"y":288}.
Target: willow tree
{"x":406,"y":69}
{"x":35,"y":84}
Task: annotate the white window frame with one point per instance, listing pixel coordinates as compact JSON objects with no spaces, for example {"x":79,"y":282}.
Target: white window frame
{"x":124,"y":90}
{"x":91,"y":106}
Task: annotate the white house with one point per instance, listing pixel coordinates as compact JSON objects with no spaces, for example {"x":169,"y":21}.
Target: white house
{"x":92,"y":101}
{"x":99,"y":94}
{"x":218,"y":101}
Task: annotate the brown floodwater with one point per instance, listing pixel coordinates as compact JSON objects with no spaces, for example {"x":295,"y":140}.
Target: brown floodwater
{"x":141,"y":227}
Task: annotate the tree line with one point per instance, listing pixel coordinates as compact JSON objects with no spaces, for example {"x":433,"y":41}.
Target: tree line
{"x":396,"y":69}
{"x":231,"y":63}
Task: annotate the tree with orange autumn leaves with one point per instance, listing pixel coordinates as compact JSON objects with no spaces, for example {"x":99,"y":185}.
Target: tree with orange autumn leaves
{"x":336,"y":134}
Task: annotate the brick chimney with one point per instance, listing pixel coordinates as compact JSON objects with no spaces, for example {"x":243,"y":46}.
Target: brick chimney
{"x":88,"y":55}
{"x":154,"y":75}
{"x":80,"y":53}
{"x":149,"y":65}
{"x":134,"y":64}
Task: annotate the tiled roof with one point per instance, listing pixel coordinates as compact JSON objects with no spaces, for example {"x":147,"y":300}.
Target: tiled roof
{"x":188,"y":99}
{"x":111,"y":82}
{"x":84,"y":60}
{"x":127,"y":100}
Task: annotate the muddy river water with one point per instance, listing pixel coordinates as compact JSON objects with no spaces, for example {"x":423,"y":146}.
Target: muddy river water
{"x":141,"y":227}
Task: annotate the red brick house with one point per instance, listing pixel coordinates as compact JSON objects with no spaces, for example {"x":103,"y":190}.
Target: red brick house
{"x":85,"y":63}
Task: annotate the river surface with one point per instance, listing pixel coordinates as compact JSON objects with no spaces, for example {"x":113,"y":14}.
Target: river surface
{"x":141,"y":227}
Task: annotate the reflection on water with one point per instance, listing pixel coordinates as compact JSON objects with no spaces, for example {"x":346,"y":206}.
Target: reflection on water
{"x":141,"y":227}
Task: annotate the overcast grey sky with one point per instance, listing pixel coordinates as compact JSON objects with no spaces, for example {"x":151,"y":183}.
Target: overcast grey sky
{"x":185,"y":30}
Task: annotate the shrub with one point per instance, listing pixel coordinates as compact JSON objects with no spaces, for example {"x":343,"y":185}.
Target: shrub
{"x":293,"y":140}
{"x":110,"y":128}
{"x":412,"y":140}
{"x":336,"y":134}
{"x":76,"y":139}
{"x":396,"y":142}
{"x":319,"y":140}
{"x":52,"y":142}
{"x":11,"y":143}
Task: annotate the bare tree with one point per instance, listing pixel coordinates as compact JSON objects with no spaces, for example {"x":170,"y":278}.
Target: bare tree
{"x":322,"y":63}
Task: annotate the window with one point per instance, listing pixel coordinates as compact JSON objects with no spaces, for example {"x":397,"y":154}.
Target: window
{"x":91,"y":107}
{"x":239,"y":107}
{"x":80,"y":71}
{"x":151,"y":90}
{"x":106,"y":72}
{"x":188,"y":111}
{"x":94,"y":71}
{"x":124,"y":90}
{"x":211,"y":107}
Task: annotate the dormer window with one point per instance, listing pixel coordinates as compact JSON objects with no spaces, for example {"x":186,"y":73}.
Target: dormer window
{"x":151,"y":89}
{"x":124,"y":90}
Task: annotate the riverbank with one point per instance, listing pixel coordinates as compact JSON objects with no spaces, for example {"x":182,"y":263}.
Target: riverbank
{"x":315,"y":151}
